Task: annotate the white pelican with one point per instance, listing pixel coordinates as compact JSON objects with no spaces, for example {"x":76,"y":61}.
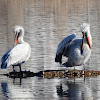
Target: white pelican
{"x":20,"y":53}
{"x":78,"y":51}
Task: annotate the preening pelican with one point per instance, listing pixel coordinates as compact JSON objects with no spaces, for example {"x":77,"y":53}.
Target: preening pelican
{"x":78,"y":51}
{"x":20,"y":53}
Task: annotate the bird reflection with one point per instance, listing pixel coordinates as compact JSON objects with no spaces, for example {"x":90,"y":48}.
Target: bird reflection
{"x":70,"y":93}
{"x":4,"y":87}
{"x":75,"y":90}
{"x":14,"y":91}
{"x":20,"y":82}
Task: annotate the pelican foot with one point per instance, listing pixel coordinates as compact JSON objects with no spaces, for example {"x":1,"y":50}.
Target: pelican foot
{"x":66,"y":64}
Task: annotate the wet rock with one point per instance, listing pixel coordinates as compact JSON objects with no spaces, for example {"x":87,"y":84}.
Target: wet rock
{"x":54,"y":73}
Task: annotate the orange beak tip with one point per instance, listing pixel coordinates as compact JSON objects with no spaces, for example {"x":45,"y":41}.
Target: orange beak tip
{"x":16,"y":42}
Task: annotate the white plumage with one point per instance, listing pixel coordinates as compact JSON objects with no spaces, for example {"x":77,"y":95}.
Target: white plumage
{"x":19,"y":53}
{"x":78,"y":51}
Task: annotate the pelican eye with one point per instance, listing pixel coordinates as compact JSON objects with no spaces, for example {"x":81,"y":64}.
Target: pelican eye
{"x":19,"y":32}
{"x":82,"y":32}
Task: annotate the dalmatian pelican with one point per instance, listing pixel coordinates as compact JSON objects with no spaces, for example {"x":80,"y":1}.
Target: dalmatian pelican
{"x":77,"y":51}
{"x":19,"y":54}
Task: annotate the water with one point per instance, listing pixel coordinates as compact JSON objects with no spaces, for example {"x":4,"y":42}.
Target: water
{"x":46,"y":23}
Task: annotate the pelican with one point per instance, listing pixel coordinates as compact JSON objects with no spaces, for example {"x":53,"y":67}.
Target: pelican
{"x":77,"y":51}
{"x":19,"y":54}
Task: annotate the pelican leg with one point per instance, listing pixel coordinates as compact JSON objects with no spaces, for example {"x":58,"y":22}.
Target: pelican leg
{"x":84,"y":66}
{"x":13,"y":69}
{"x":84,"y":72}
{"x":20,"y":67}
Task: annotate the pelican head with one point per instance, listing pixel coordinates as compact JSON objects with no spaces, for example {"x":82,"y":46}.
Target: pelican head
{"x":19,"y":33}
{"x":85,"y":29}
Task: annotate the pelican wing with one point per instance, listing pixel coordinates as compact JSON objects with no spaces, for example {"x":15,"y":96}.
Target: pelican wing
{"x":4,"y":58}
{"x":16,"y":55}
{"x":61,"y":47}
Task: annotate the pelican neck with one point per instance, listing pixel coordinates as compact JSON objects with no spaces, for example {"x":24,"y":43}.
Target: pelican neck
{"x":21,"y":41}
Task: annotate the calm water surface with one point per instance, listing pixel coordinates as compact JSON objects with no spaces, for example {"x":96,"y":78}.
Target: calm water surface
{"x":46,"y":23}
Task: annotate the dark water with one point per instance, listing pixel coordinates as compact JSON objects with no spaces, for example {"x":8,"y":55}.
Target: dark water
{"x":46,"y":23}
